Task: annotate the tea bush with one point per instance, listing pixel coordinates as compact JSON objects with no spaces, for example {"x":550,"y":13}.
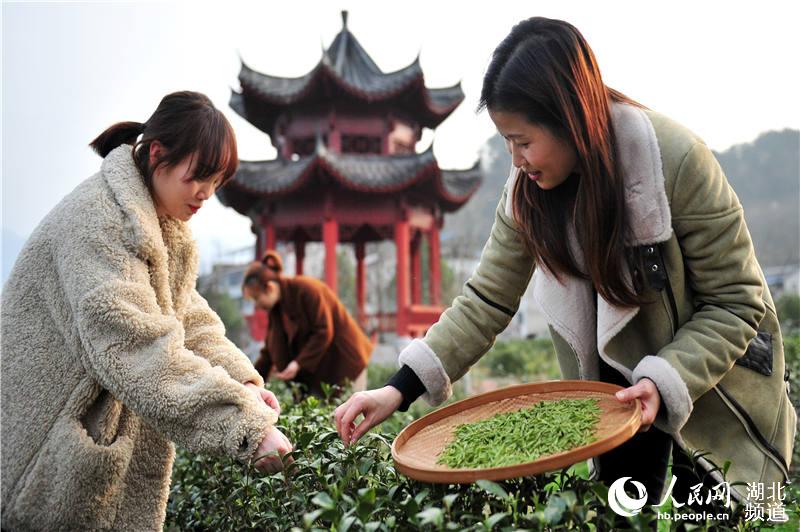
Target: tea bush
{"x":791,"y":347}
{"x":352,"y":489}
{"x":535,"y":359}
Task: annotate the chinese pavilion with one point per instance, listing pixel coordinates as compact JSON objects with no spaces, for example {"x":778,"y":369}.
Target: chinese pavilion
{"x":347,"y":171}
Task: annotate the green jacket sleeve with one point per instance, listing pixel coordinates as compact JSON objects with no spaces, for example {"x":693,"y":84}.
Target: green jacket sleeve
{"x":488,"y":302}
{"x":725,"y":279}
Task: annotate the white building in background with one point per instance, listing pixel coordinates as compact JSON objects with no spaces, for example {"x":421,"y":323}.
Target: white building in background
{"x":783,"y":280}
{"x":792,"y":282}
{"x":225,"y":278}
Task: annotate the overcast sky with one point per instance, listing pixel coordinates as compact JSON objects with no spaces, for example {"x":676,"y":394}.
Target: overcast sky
{"x":727,"y":70}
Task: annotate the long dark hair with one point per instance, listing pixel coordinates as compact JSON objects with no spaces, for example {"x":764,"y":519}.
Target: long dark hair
{"x":545,"y":70}
{"x":185,"y":123}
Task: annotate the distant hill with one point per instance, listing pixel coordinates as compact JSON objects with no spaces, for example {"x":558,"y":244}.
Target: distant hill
{"x":764,"y":173}
{"x":466,"y":230}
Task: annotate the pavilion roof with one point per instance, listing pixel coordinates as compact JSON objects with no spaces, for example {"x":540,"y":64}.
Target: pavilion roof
{"x":372,"y":174}
{"x":347,"y":72}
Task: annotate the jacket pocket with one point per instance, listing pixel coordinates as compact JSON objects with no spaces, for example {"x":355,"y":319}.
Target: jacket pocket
{"x":104,"y":418}
{"x":758,"y":356}
{"x":74,"y":483}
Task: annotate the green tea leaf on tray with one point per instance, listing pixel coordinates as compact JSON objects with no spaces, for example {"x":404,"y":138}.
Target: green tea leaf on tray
{"x":546,"y":428}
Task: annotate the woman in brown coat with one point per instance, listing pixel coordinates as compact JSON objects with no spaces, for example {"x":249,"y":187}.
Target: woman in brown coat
{"x":311,"y":337}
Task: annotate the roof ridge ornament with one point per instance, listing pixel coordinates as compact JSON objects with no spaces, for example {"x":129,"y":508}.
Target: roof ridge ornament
{"x":319,"y":147}
{"x":344,"y":19}
{"x":326,"y":57}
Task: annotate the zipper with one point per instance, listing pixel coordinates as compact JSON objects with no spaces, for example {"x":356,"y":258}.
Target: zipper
{"x":670,"y":294}
{"x":673,"y":307}
{"x":750,"y":425}
{"x":751,"y":428}
{"x":505,"y":310}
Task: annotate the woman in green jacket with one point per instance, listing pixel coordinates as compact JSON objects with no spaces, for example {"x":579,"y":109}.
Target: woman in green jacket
{"x":641,"y":261}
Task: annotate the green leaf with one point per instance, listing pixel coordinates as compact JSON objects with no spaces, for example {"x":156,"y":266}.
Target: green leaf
{"x":493,"y":488}
{"x":411,"y":507}
{"x":367,"y":495}
{"x":302,"y":441}
{"x":570,"y":499}
{"x":449,"y":499}
{"x":365,"y":465}
{"x":323,"y":500}
{"x":309,"y":518}
{"x":346,"y":523}
{"x":554,"y":510}
{"x":494,"y":519}
{"x":431,"y":515}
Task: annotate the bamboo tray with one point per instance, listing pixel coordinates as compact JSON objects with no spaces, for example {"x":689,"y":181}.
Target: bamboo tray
{"x":417,"y":447}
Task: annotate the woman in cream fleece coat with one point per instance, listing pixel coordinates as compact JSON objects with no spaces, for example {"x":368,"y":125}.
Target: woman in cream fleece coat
{"x":109,"y":354}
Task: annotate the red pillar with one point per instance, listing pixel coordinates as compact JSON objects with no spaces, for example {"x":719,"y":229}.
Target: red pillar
{"x":361,"y":282}
{"x":299,"y":256}
{"x":330,"y":236}
{"x":416,"y":270}
{"x":434,"y":258}
{"x":269,"y":237}
{"x":259,"y":232}
{"x":401,"y":238}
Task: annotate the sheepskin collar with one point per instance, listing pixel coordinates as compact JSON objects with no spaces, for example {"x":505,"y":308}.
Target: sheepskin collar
{"x":166,"y":244}
{"x":570,"y":305}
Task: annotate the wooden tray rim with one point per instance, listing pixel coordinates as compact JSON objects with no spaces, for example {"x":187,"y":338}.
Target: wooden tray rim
{"x":468,"y":475}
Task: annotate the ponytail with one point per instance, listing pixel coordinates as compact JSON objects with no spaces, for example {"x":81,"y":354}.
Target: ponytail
{"x":118,"y":134}
{"x":255,"y":274}
{"x":187,"y":124}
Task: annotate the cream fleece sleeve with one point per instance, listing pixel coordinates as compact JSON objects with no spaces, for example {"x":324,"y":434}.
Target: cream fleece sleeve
{"x":205,"y":337}
{"x":137,"y":351}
